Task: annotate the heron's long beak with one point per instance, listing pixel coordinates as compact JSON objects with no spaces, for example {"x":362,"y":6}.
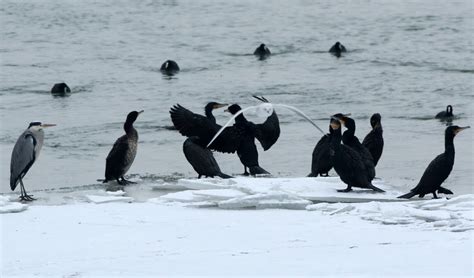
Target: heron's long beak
{"x":47,"y":125}
{"x":141,"y":111}
{"x":461,"y":129}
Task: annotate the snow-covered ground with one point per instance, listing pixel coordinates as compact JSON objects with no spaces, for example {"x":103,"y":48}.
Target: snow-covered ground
{"x":201,"y":232}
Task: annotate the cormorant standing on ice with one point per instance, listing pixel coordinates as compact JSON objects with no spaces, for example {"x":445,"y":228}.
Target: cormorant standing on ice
{"x":349,"y":139}
{"x":373,"y":141}
{"x":201,"y":158}
{"x":348,"y":163}
{"x":123,"y":152}
{"x":439,"y":169}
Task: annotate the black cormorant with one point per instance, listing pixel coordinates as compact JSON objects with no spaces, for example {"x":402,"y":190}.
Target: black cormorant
{"x":60,"y":89}
{"x":321,"y":161}
{"x":237,"y":138}
{"x":348,"y":163}
{"x":25,"y":152}
{"x":445,"y":114}
{"x":373,"y":141}
{"x":349,"y":139}
{"x":169,"y":67}
{"x":201,"y":158}
{"x":438,"y":170}
{"x":337,"y":49}
{"x":262,"y":51}
{"x":123,"y":152}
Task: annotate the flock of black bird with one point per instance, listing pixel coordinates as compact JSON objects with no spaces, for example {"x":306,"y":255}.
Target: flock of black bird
{"x":352,"y":160}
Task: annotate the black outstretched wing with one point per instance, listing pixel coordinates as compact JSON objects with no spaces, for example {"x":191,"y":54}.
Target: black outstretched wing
{"x":268,"y":132}
{"x":192,"y":124}
{"x":23,"y":156}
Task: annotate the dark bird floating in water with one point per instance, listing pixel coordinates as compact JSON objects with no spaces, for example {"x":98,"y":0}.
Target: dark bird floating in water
{"x":348,"y":163}
{"x":262,"y":51}
{"x":169,"y":67}
{"x":337,"y":49}
{"x":60,"y":89}
{"x":443,"y":115}
{"x":201,"y":158}
{"x":439,"y":169}
{"x":123,"y":152}
{"x":25,"y":153}
{"x":237,"y":138}
{"x":373,"y":141}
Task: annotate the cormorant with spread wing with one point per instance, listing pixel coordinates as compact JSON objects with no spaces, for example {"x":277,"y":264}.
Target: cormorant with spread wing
{"x":238,"y":138}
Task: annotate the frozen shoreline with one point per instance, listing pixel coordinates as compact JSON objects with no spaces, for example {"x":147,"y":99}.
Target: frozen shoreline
{"x":149,"y":239}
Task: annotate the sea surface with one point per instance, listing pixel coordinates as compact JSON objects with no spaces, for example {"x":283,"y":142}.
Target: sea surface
{"x":406,"y":60}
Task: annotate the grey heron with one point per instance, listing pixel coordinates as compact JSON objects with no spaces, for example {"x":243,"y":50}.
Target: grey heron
{"x":25,"y":152}
{"x":123,"y":152}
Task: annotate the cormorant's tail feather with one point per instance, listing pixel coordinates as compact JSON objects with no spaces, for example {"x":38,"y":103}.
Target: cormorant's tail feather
{"x":103,"y":180}
{"x":444,"y":190}
{"x":375,"y":188}
{"x":408,"y":195}
{"x":257,"y":170}
{"x":224,"y":176}
{"x":312,"y":175}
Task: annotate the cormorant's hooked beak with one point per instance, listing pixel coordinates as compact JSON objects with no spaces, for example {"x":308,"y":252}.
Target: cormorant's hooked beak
{"x":219,"y":105}
{"x":141,"y":111}
{"x":461,"y":129}
{"x":47,"y":125}
{"x":341,"y":118}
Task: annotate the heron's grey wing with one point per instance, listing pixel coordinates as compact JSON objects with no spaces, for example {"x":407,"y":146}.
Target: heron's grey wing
{"x":23,"y":156}
{"x":268,"y":132}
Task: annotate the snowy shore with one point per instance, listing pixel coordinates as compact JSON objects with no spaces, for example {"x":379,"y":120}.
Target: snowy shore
{"x":115,"y":236}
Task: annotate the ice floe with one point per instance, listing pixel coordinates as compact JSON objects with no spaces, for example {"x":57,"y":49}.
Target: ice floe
{"x":98,"y":199}
{"x":7,"y":206}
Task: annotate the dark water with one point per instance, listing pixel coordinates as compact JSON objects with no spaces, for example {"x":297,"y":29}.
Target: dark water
{"x":406,"y":61}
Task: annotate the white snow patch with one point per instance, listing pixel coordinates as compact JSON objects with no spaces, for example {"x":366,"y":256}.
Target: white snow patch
{"x":7,"y":206}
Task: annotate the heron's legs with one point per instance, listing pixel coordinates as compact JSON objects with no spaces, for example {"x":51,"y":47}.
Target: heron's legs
{"x":24,"y":196}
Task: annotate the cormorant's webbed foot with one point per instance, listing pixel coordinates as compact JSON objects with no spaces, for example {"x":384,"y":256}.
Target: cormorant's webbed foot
{"x":348,"y":189}
{"x":125,"y":182}
{"x":435,"y":196}
{"x":245,"y":172}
